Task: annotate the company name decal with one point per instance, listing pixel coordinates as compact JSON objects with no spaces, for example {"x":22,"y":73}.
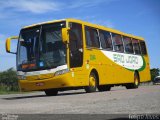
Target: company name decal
{"x":125,"y":59}
{"x":129,"y":61}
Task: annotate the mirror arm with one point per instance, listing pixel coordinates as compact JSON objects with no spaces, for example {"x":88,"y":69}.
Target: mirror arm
{"x":14,"y":53}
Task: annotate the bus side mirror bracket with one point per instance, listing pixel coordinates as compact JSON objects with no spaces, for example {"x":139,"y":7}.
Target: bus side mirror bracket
{"x":8,"y":44}
{"x":65,"y":34}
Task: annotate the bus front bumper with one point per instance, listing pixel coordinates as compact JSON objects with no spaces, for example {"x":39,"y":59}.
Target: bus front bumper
{"x":56,"y":82}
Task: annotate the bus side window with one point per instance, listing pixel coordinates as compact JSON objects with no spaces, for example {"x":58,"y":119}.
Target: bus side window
{"x":117,"y":42}
{"x":106,"y":42}
{"x":92,"y":39}
{"x":136,"y":46}
{"x":128,"y":44}
{"x":143,"y":48}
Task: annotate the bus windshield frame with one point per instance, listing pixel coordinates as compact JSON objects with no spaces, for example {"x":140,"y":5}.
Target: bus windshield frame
{"x":41,"y":47}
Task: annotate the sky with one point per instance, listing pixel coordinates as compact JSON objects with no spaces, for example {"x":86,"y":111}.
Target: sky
{"x":137,"y":17}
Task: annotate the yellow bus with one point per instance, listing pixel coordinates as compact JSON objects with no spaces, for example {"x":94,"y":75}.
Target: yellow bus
{"x":72,"y":54}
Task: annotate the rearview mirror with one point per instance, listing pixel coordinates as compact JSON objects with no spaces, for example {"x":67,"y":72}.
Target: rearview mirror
{"x":65,"y":34}
{"x":8,"y":44}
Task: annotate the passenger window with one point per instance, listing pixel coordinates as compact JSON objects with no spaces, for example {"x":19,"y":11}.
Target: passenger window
{"x":92,"y":39}
{"x":128,"y":45}
{"x":106,"y":41}
{"x":143,"y":47}
{"x":136,"y":46}
{"x":117,"y":42}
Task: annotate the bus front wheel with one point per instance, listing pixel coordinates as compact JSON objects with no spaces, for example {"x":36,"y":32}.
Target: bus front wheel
{"x":92,"y":83}
{"x":51,"y":92}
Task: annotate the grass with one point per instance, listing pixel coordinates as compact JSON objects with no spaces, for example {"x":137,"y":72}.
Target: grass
{"x":7,"y":90}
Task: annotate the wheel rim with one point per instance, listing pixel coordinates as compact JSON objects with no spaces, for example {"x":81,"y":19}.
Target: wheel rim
{"x":136,"y":81}
{"x":92,"y":81}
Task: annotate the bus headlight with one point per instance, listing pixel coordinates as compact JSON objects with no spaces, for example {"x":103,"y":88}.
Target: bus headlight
{"x":60,"y":72}
{"x":21,"y":77}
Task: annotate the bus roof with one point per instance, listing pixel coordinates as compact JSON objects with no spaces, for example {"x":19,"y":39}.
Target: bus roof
{"x":87,"y":24}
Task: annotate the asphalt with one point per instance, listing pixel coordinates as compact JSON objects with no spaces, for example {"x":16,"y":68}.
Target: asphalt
{"x":144,"y":100}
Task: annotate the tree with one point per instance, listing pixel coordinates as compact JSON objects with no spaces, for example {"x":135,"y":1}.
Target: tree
{"x":154,"y":73}
{"x":9,"y":80}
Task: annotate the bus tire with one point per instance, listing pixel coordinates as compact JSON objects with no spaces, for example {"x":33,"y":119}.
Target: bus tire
{"x":51,"y":92}
{"x":102,"y":88}
{"x":136,"y":82}
{"x":93,"y":81}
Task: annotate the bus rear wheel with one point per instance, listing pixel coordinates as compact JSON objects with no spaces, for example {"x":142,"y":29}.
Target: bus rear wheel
{"x":51,"y":92}
{"x":92,"y":83}
{"x":135,"y":84}
{"x":102,"y":88}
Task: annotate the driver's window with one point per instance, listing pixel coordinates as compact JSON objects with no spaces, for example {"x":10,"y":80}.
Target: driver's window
{"x":76,"y":45}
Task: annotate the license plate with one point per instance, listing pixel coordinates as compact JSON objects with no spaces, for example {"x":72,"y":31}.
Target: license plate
{"x":40,"y":84}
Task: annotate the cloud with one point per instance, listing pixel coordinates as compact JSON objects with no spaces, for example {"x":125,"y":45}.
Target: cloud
{"x":93,"y":19}
{"x":2,"y":37}
{"x":17,"y":9}
{"x":33,"y":6}
{"x":2,"y":43}
{"x":41,"y":6}
{"x":87,"y":3}
{"x":108,"y":23}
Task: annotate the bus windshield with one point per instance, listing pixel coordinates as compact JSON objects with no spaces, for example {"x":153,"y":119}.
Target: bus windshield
{"x":41,"y":48}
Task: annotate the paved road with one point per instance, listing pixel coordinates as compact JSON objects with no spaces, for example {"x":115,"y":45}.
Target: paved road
{"x":145,"y":99}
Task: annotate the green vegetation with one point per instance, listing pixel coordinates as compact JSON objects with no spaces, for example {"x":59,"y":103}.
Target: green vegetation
{"x":8,"y":81}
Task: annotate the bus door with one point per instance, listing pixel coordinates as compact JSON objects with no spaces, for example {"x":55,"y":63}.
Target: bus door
{"x":76,"y":53}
